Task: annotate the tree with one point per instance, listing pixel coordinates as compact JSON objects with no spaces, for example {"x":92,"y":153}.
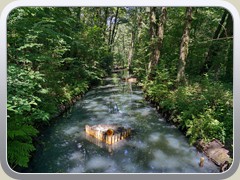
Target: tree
{"x":67,"y":41}
{"x":156,"y":34}
{"x":112,"y":29}
{"x":181,"y":77}
{"x":134,"y":26}
{"x":213,"y":49}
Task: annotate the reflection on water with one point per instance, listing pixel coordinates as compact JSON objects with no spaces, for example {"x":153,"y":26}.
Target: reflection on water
{"x":155,"y":147}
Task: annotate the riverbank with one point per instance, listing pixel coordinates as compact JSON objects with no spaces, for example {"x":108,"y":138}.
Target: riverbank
{"x":173,"y":116}
{"x":196,"y":110}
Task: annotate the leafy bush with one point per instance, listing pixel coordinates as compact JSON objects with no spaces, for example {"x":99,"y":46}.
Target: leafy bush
{"x":205,"y":127}
{"x":22,"y":108}
{"x":203,"y":109}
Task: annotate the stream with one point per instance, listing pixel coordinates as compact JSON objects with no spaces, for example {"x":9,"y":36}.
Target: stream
{"x":155,"y":146}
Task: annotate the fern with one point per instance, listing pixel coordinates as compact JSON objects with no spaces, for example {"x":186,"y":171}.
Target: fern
{"x":22,"y":132}
{"x":19,"y":153}
{"x":20,"y":144}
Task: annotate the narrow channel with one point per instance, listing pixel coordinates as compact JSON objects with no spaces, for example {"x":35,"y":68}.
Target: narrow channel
{"x":155,"y":146}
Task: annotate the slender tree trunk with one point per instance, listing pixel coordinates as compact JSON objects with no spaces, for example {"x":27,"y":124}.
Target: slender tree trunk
{"x":181,"y":78}
{"x":123,"y":45}
{"x":160,"y":33}
{"x":105,"y":22}
{"x":228,"y":32}
{"x":139,"y":27}
{"x":219,"y":45}
{"x":130,"y":53}
{"x":229,"y":64}
{"x":110,"y":32}
{"x":114,"y":26}
{"x":220,"y":25}
{"x":79,"y":14}
{"x":134,"y":32}
{"x":106,"y":13}
{"x":152,"y":31}
{"x":213,"y":49}
{"x":115,"y":33}
{"x":156,"y":33}
{"x":152,"y":22}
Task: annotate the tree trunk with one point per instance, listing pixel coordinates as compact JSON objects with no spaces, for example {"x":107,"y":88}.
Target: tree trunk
{"x":134,"y":33}
{"x":105,"y":22}
{"x":213,"y":49}
{"x":113,"y":33}
{"x":228,"y":32}
{"x":152,"y":22}
{"x":220,"y":25}
{"x":156,"y":34}
{"x":110,"y":32}
{"x":79,"y":14}
{"x":229,"y":64}
{"x":219,"y":47}
{"x":130,"y":53}
{"x":181,"y":78}
{"x":139,"y":29}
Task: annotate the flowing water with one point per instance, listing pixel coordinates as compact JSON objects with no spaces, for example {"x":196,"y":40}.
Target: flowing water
{"x":155,"y":146}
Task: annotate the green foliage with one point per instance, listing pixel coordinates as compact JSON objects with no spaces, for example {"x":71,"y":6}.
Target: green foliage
{"x":205,"y":127}
{"x":203,"y":109}
{"x":23,"y":87}
{"x":53,"y":56}
{"x":159,"y":88}
{"x":19,"y":153}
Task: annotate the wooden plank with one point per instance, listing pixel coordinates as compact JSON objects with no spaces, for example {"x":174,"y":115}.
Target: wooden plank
{"x":216,"y":152}
{"x":109,"y":134}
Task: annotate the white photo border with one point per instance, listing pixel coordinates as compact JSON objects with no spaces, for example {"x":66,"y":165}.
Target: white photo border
{"x":119,"y":3}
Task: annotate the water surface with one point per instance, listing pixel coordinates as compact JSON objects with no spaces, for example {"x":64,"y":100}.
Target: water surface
{"x":155,"y":146}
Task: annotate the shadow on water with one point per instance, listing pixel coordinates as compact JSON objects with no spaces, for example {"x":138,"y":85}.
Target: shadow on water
{"x":154,"y":147}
